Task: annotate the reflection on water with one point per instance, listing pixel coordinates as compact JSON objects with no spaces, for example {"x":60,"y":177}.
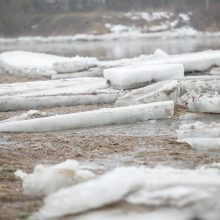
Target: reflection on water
{"x":124,"y":48}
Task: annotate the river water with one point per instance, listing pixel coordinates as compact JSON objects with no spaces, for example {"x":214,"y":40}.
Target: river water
{"x":123,"y":48}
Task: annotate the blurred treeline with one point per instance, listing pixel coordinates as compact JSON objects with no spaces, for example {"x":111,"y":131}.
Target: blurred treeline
{"x":39,"y":6}
{"x":18,"y":15}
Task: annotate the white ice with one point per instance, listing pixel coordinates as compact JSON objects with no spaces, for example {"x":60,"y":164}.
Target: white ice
{"x":24,"y":62}
{"x":131,"y":77}
{"x":47,"y":179}
{"x":108,"y":116}
{"x":157,"y":92}
{"x":204,"y":103}
{"x":161,"y":183}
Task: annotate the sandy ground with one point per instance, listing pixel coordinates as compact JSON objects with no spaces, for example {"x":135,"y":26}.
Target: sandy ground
{"x":24,"y":151}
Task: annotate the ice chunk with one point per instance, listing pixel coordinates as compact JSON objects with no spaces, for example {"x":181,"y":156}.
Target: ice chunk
{"x":204,"y":103}
{"x":121,"y":115}
{"x":104,"y":190}
{"x":162,"y":91}
{"x":133,"y":77}
{"x":132,"y":184}
{"x":75,"y":64}
{"x":203,"y":143}
{"x":48,"y":179}
{"x":23,"y":62}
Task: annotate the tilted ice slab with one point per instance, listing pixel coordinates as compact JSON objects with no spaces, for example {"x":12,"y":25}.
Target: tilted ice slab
{"x":23,"y":62}
{"x":204,"y":103}
{"x":47,"y":179}
{"x":133,"y":76}
{"x":55,"y":93}
{"x":135,"y":185}
{"x":199,"y":130}
{"x":162,"y":91}
{"x":92,"y":72}
{"x":111,"y":116}
{"x":203,"y":143}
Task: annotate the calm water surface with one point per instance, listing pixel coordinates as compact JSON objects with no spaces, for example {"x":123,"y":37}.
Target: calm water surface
{"x":124,"y":48}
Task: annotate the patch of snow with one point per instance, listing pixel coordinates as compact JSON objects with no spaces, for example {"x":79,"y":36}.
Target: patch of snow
{"x":185,"y":17}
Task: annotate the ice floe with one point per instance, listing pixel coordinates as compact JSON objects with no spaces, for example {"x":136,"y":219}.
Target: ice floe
{"x":108,"y":116}
{"x":139,"y":185}
{"x":131,"y":77}
{"x":49,"y":178}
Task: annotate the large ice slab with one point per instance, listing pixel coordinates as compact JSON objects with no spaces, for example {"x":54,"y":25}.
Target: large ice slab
{"x":29,"y":63}
{"x":55,"y":93}
{"x":131,"y":77}
{"x":110,"y":116}
{"x":162,"y":91}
